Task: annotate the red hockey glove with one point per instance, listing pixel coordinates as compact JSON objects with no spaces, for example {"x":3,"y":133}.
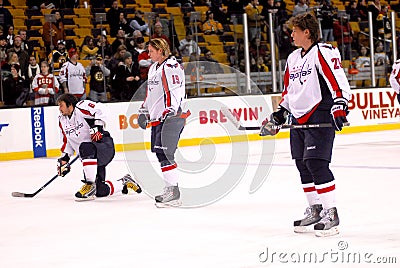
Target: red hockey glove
{"x":96,"y":133}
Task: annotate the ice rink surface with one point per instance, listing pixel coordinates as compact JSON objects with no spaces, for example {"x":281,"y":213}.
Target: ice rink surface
{"x":239,"y":230}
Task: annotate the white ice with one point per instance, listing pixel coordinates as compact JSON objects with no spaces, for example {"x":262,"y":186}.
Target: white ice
{"x":239,"y":230}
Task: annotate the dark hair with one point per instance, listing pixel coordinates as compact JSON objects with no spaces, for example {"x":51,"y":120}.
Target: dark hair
{"x":306,"y":21}
{"x":68,"y":98}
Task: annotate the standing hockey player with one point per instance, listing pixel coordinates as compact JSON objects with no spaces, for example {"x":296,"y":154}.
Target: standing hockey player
{"x":395,"y":78}
{"x":316,"y":91}
{"x":162,"y":108}
{"x":82,"y":126}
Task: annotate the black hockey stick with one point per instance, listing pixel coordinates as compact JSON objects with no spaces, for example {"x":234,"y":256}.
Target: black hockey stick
{"x":228,"y":114}
{"x":18,"y":194}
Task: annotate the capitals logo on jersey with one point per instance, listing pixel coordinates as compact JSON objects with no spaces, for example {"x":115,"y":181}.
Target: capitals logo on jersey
{"x":300,"y":72}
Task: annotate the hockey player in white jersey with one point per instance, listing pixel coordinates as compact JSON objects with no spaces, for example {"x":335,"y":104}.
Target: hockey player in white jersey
{"x":162,"y":107}
{"x":395,"y":78}
{"x":82,"y":125}
{"x":316,"y":91}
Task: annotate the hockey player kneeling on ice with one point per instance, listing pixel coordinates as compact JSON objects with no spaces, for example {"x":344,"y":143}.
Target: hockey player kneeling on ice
{"x":316,"y":91}
{"x":162,"y":110}
{"x":82,"y":125}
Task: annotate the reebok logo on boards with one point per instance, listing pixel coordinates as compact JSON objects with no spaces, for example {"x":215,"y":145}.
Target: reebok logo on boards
{"x":38,"y":132}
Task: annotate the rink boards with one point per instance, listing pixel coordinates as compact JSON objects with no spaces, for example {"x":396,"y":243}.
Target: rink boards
{"x":34,"y":132}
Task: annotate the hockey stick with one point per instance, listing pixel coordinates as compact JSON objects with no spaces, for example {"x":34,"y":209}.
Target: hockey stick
{"x":18,"y":194}
{"x":228,"y":114}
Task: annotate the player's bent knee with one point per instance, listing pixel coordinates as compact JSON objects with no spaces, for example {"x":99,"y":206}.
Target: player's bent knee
{"x":87,"y":150}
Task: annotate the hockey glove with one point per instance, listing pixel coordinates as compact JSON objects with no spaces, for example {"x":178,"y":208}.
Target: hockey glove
{"x":63,"y":167}
{"x":143,"y":118}
{"x":339,"y":112}
{"x":277,"y":119}
{"x":167,"y":113}
{"x":96,"y":133}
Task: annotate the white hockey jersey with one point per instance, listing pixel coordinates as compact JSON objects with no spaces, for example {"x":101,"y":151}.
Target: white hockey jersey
{"x":395,"y":76}
{"x":165,"y":88}
{"x":313,"y":80}
{"x":75,"y":76}
{"x":76,"y":129}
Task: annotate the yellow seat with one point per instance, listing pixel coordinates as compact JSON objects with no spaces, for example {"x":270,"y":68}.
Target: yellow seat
{"x":82,"y":32}
{"x":355,"y":27}
{"x":83,"y":23}
{"x":174,"y":10}
{"x":82,"y":12}
{"x":216,"y":49}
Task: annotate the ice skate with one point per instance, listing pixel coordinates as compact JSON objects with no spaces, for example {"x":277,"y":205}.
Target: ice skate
{"x":87,"y":192}
{"x":130,"y":184}
{"x":312,"y":216}
{"x":328,"y":225}
{"x":170,"y":197}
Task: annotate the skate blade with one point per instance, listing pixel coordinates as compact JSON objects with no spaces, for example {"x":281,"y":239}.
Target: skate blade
{"x":175,"y":203}
{"x":325,"y":233}
{"x":90,"y":198}
{"x":303,"y":229}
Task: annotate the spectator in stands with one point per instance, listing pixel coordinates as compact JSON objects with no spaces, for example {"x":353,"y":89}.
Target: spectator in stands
{"x":113,"y":18}
{"x":344,"y":36}
{"x":353,"y":11}
{"x":144,"y":62}
{"x":187,"y":46}
{"x":16,"y":91}
{"x":26,"y":45}
{"x":10,"y":35}
{"x":384,"y":27}
{"x":128,"y":77}
{"x":53,"y":31}
{"x":3,"y":50}
{"x":327,"y":17}
{"x":138,"y":23}
{"x":363,"y":60}
{"x":98,"y":73}
{"x":375,"y":7}
{"x":58,"y":57}
{"x":164,"y":24}
{"x":73,"y":76}
{"x":124,"y":25}
{"x":33,"y":69}
{"x":211,"y":26}
{"x":8,"y":18}
{"x":12,"y":58}
{"x":285,"y":42}
{"x":380,"y":57}
{"x":120,"y":40}
{"x":257,"y":49}
{"x":255,"y":19}
{"x":363,"y":9}
{"x":300,"y":8}
{"x":23,"y":56}
{"x":158,"y":33}
{"x":261,"y":67}
{"x":89,"y":50}
{"x":103,"y":43}
{"x":45,"y":86}
{"x":212,"y":66}
{"x":116,"y":60}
